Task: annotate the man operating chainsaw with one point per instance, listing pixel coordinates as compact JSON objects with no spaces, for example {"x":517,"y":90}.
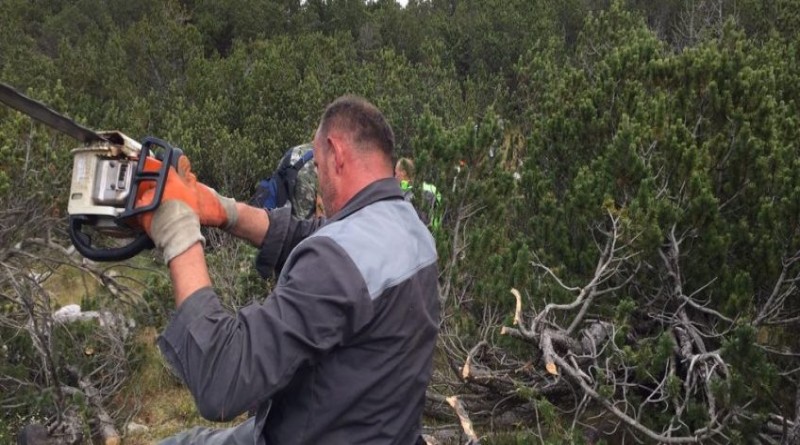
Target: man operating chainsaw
{"x":340,"y":352}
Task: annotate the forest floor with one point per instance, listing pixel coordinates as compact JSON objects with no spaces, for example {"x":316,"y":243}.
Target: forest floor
{"x":153,"y":404}
{"x":156,"y":399}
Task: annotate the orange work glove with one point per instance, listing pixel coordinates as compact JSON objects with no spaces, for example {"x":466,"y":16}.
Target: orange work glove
{"x":181,"y":185}
{"x":213,"y":209}
{"x":216,"y":210}
{"x":174,"y":226}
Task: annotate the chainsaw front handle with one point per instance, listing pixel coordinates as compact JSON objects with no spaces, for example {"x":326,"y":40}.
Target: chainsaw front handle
{"x":168,"y":157}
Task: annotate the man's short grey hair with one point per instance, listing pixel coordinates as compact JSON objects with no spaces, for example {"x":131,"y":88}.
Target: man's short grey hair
{"x":363,"y":120}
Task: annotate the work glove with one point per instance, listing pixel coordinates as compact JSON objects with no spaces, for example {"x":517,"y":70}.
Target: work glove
{"x":174,"y":226}
{"x":214,"y":209}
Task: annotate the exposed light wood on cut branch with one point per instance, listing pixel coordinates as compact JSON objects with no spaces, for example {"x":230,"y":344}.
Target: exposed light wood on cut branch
{"x":466,"y":423}
{"x":468,"y":371}
{"x":518,"y":308}
{"x":549,"y":353}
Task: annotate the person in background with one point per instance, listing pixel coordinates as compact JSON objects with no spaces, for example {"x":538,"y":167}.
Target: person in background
{"x":293,"y":183}
{"x":430,"y":204}
{"x":304,"y":196}
{"x":341,"y":351}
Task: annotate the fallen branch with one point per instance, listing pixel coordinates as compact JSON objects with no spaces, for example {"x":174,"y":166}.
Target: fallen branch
{"x":659,"y":438}
{"x":466,"y":424}
{"x":103,"y":423}
{"x":469,"y":371}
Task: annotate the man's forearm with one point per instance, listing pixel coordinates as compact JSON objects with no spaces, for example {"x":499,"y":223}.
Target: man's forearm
{"x":189,"y":270}
{"x":189,"y":273}
{"x":252,"y":224}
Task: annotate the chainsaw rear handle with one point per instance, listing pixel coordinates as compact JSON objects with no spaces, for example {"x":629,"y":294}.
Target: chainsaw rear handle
{"x":83,"y":242}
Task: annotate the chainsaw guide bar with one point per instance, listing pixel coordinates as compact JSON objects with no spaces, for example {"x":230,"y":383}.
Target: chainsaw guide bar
{"x":107,"y":172}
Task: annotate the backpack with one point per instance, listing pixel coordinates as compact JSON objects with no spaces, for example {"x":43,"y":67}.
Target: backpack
{"x":293,"y":182}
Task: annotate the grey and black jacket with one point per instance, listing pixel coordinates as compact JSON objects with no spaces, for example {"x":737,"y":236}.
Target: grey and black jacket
{"x":341,"y":351}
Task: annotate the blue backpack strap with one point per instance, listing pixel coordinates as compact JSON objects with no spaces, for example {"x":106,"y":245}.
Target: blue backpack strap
{"x":303,"y":159}
{"x":266,"y":194}
{"x":274,"y":191}
{"x":288,"y":177}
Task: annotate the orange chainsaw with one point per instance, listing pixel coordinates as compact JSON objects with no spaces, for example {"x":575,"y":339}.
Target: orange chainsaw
{"x":107,"y":172}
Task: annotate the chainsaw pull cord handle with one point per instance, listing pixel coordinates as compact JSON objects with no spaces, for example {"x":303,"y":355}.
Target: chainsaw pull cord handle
{"x":83,"y":242}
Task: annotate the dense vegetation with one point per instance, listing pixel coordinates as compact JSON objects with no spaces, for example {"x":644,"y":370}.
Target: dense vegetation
{"x":631,"y":170}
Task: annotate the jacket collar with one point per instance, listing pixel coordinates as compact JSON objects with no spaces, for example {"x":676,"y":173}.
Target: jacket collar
{"x":387,"y":188}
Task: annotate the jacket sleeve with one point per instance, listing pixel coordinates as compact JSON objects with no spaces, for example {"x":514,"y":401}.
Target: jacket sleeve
{"x":232,"y":363}
{"x":284,"y":233}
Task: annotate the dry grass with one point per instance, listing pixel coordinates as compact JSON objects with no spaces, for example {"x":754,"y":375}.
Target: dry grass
{"x":69,"y":286}
{"x":152,"y":397}
{"x":157,"y":399}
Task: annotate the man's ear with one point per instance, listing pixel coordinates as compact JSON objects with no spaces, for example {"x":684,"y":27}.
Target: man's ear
{"x":337,"y":151}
